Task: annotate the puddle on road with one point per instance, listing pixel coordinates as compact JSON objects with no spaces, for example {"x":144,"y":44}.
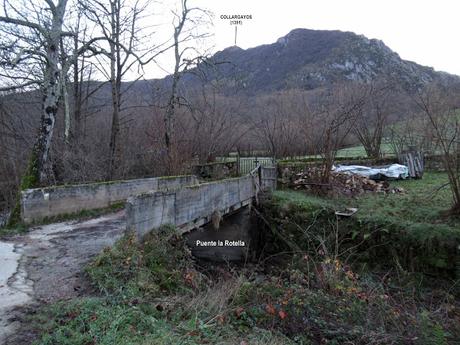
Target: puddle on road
{"x":15,"y":289}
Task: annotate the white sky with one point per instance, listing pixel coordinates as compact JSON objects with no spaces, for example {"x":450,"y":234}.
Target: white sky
{"x":427,"y":32}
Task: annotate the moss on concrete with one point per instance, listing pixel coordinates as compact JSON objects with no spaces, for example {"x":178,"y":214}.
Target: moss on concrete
{"x":30,"y":179}
{"x":173,"y":177}
{"x":106,"y":183}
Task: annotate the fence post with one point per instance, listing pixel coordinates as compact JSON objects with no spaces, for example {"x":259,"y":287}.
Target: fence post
{"x":238,"y":163}
{"x":259,"y":172}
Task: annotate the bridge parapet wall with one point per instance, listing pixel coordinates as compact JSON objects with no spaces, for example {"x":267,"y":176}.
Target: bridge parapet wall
{"x":268,"y":178}
{"x":40,"y":203}
{"x":189,"y":207}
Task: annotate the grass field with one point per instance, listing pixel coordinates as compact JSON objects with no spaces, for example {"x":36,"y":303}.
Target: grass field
{"x":426,"y":201}
{"x":358,"y":151}
{"x":349,"y":152}
{"x":423,"y":204}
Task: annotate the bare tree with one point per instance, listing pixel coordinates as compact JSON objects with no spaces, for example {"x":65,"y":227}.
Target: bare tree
{"x":33,"y":45}
{"x":212,"y":123}
{"x":275,"y":124}
{"x":186,"y":56}
{"x":372,"y":121}
{"x":48,"y":31}
{"x":339,"y":107}
{"x":438,"y":105}
{"x":119,"y":23}
{"x":78,"y":70}
{"x":412,"y":133}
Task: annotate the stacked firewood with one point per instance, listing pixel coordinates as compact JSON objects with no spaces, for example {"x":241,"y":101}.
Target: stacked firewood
{"x":341,"y":183}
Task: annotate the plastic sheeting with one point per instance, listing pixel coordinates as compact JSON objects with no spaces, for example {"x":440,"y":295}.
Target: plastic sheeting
{"x":389,"y":172}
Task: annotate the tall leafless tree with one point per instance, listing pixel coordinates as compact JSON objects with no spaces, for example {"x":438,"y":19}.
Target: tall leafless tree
{"x":32,"y":45}
{"x":186,"y":55}
{"x":119,"y":23}
{"x":48,"y":30}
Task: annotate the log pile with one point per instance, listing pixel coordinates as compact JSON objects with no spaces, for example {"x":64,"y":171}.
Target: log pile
{"x":340,"y":183}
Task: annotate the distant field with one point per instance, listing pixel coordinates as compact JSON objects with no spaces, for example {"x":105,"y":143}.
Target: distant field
{"x":358,"y":151}
{"x":349,"y":152}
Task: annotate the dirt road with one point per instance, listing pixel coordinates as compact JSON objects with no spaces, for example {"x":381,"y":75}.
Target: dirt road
{"x":45,"y":265}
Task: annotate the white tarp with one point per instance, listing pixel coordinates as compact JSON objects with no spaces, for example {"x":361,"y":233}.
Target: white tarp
{"x":393,"y":171}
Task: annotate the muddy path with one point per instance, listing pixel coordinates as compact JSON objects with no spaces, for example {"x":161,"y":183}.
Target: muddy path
{"x":46,"y":265}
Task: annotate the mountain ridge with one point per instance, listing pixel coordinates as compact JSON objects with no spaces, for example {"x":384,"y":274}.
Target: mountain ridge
{"x":308,"y":59}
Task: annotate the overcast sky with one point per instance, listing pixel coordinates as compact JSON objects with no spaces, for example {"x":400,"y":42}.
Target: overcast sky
{"x":427,"y":32}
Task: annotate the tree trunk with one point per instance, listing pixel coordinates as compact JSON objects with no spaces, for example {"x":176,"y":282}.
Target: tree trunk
{"x":39,"y":171}
{"x":51,"y":95}
{"x":77,"y":96}
{"x":169,"y":127}
{"x":171,"y":107}
{"x":115,"y":129}
{"x":115,"y":82}
{"x":67,"y":117}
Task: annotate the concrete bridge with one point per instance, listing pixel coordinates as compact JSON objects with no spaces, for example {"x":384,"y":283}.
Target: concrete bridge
{"x":181,"y":201}
{"x":191,"y":207}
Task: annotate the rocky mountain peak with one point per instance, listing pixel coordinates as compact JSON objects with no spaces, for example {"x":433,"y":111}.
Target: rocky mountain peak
{"x":307,"y":59}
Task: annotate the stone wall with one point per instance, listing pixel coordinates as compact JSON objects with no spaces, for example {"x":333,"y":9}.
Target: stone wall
{"x":190,"y":207}
{"x":37,"y":204}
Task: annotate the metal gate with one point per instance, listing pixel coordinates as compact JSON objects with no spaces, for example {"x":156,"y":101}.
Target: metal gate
{"x":247,"y":164}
